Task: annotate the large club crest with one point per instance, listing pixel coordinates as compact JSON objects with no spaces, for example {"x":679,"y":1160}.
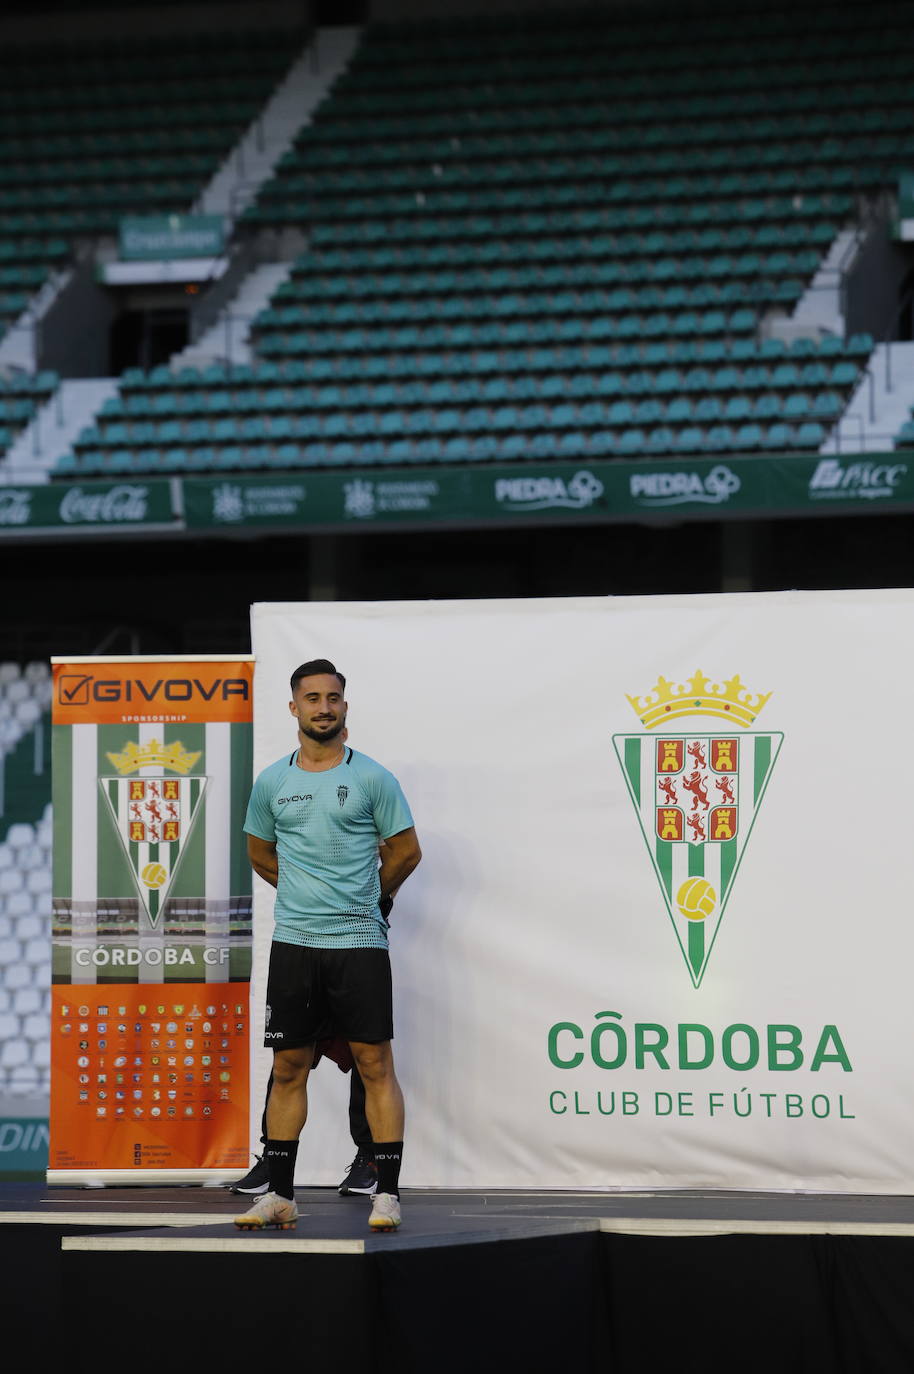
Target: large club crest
{"x":697,"y":795}
{"x":154,"y":813}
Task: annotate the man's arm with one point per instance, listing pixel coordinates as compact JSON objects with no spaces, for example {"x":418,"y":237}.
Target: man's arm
{"x":400,"y":854}
{"x":262,"y":854}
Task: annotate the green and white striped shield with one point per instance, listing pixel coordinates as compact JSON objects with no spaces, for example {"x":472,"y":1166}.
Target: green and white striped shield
{"x":154,"y":818}
{"x":696,"y":797}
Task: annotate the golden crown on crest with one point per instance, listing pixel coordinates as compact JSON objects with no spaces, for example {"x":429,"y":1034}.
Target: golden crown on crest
{"x":172,"y":756}
{"x":699,"y":696}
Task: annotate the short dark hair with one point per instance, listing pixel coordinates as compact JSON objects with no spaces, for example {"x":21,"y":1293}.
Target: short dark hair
{"x":313,"y":668}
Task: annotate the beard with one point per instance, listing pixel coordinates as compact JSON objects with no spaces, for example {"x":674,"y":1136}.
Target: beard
{"x":321,"y":734}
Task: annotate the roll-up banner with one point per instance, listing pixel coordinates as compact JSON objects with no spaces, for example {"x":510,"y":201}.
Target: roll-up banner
{"x":151,"y":944}
{"x":660,"y":935}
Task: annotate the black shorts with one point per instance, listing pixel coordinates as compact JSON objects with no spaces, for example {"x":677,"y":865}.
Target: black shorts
{"x":316,"y":994}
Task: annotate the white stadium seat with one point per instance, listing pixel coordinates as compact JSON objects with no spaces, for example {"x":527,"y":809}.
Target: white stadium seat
{"x":16,"y":976}
{"x":23,"y":1081}
{"x":38,"y":881}
{"x":20,"y":835}
{"x":19,"y":905}
{"x":11,"y":880}
{"x":28,"y":713}
{"x":10,"y":954}
{"x":35,"y":1028}
{"x":28,"y":1002}
{"x":31,"y":856}
{"x":38,"y":952}
{"x":14,"y":1052}
{"x":32,"y":928}
{"x":10,"y":734}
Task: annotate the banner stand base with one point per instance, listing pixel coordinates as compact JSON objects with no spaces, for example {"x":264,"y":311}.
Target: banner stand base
{"x":142,"y":1178}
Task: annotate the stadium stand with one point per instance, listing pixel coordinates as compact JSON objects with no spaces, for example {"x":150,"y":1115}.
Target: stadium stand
{"x":93,"y":131}
{"x":565,"y":234}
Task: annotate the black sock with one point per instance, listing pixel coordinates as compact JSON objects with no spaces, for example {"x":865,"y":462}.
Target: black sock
{"x":387,"y":1157}
{"x":280,"y":1161}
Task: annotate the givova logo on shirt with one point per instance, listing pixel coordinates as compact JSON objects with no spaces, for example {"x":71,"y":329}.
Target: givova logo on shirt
{"x":697,"y":796}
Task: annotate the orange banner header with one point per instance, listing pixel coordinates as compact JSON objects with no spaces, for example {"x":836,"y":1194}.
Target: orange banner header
{"x":162,"y":691}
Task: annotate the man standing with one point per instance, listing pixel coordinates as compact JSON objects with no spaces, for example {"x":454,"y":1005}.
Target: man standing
{"x":314,"y":824}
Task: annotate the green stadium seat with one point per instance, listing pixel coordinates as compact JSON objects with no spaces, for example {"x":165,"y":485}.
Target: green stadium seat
{"x":659,"y":441}
{"x":748,"y":437}
{"x":779,"y":436}
{"x":827,"y":406}
{"x":679,"y":412}
{"x":810,"y":435}
{"x":631,"y":443}
{"x":767,"y":407}
{"x":690,"y":440}
{"x":227,"y":458}
{"x":796,"y":406}
{"x":719,"y":439}
{"x":737,"y":409}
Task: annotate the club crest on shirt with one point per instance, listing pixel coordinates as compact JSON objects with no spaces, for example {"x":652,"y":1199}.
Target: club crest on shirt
{"x":342,"y":792}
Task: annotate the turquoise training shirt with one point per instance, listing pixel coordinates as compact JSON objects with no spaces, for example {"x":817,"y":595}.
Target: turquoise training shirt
{"x":326,"y":828}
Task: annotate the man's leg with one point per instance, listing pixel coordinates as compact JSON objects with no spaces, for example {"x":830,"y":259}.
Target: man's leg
{"x":358,"y":1121}
{"x":263,"y":1119}
{"x":362,"y":1174}
{"x":384,"y":1110}
{"x":286,"y":1114}
{"x":256,"y":1180}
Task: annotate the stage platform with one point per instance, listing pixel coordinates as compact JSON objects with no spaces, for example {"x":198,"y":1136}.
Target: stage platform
{"x":474,"y":1281}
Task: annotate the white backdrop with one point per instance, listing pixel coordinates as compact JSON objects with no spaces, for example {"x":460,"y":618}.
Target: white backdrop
{"x":537,"y":902}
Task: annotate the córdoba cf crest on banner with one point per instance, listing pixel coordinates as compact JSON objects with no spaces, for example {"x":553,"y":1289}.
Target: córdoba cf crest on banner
{"x":154,"y":818}
{"x":697,"y":794}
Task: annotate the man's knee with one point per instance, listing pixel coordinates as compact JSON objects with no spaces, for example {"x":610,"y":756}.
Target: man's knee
{"x":375,"y":1063}
{"x":291,"y":1067}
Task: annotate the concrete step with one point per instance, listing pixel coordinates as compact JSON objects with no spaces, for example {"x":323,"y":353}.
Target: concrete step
{"x":54,"y":428}
{"x":228,"y":340}
{"x":819,"y":311}
{"x":18,"y":344}
{"x":879,"y":406}
{"x":254,"y":158}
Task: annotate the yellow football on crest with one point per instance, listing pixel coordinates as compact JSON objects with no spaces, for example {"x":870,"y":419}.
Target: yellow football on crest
{"x":153,"y":875}
{"x":696,"y":899}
